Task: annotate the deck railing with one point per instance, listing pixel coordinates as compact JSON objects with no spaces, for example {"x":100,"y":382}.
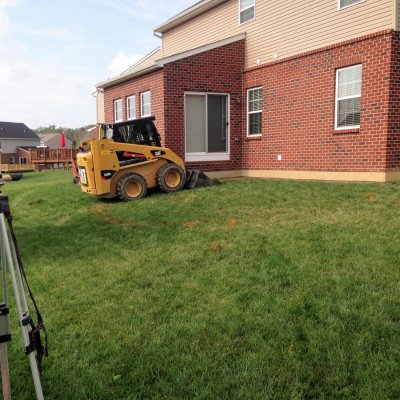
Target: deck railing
{"x":52,"y":155}
{"x":16,"y":167}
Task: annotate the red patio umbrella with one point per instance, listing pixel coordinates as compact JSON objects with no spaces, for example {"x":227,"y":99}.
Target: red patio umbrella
{"x":62,"y":139}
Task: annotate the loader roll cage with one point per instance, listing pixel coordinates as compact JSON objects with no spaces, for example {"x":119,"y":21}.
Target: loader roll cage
{"x":140,"y":131}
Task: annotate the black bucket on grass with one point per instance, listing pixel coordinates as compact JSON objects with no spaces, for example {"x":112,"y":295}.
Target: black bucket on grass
{"x":195,"y":178}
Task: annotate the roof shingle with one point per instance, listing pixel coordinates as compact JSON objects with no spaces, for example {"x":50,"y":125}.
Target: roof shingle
{"x":16,"y":130}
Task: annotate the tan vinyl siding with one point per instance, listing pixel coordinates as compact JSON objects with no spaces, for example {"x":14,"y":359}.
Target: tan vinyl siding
{"x":145,"y":62}
{"x":398,"y":15}
{"x":282,"y":28}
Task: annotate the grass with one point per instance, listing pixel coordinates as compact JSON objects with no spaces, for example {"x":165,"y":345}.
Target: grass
{"x":250,"y":289}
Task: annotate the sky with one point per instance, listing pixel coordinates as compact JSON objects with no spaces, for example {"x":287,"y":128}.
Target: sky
{"x":53,"y":53}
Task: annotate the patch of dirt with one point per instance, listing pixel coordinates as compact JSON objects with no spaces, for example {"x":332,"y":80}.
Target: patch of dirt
{"x":372,"y":197}
{"x":216,"y":247}
{"x":102,"y":212}
{"x":232,"y":222}
{"x":191,"y":224}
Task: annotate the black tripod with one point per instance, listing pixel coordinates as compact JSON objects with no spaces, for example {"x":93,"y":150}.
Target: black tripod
{"x":11,"y":262}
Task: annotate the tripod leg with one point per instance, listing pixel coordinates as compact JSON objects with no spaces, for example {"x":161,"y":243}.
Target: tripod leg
{"x":5,"y":375}
{"x":5,"y":372}
{"x":18,"y":293}
{"x":20,"y":281}
{"x":36,"y":376}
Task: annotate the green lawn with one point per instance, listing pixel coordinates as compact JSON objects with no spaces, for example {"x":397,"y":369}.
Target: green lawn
{"x":251,"y":289}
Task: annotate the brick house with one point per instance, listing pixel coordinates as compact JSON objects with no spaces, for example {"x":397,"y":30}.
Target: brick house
{"x":91,"y":133}
{"x":15,"y":141}
{"x":303,"y":90}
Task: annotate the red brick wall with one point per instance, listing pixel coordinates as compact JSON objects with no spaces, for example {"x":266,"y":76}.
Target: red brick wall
{"x":299,"y":108}
{"x":393,"y":145}
{"x":22,"y":153}
{"x":153,"y":82}
{"x":5,"y":158}
{"x":217,"y":71}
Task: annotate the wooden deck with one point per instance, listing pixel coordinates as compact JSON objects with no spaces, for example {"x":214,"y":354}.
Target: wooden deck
{"x":40,"y":156}
{"x":16,"y":167}
{"x":48,"y":158}
{"x":41,"y":159}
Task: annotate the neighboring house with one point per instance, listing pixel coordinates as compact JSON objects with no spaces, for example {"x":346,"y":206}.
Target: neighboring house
{"x":15,"y":141}
{"x":293,"y":89}
{"x":52,"y":141}
{"x":91,"y":133}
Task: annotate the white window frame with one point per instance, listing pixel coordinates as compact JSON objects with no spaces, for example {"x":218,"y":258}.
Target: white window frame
{"x":204,"y":156}
{"x":142,"y":103}
{"x":11,"y":160}
{"x":244,"y":9}
{"x":128,"y":114}
{"x":350,"y":5}
{"x":23,"y":158}
{"x":115,"y":111}
{"x":253,"y":112}
{"x":341,"y":128}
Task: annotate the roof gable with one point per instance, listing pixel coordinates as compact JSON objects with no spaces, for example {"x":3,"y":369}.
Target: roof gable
{"x":47,"y":137}
{"x":159,"y":64}
{"x":16,"y":130}
{"x":145,"y":65}
{"x":93,"y":133}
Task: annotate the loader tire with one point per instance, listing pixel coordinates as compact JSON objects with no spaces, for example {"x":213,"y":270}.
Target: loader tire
{"x":171,"y":178}
{"x":132,"y":187}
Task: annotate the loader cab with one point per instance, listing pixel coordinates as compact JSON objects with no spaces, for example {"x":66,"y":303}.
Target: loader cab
{"x":138,"y":131}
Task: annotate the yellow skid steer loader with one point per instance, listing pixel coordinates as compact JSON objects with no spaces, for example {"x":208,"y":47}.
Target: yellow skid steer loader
{"x":128,"y":159}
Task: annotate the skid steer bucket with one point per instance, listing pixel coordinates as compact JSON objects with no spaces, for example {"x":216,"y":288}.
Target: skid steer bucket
{"x":196,"y":178}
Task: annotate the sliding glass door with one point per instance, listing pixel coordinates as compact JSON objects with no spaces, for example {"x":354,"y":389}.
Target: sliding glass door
{"x":207,"y":126}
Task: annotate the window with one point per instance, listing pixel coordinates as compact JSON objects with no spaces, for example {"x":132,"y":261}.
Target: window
{"x":22,"y":160}
{"x":207,"y":126}
{"x":131,"y":107}
{"x":11,"y":160}
{"x":247,"y":10}
{"x":348,"y":3}
{"x":254,"y":112}
{"x":348,"y":97}
{"x":145,"y":100}
{"x":118,"y":110}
